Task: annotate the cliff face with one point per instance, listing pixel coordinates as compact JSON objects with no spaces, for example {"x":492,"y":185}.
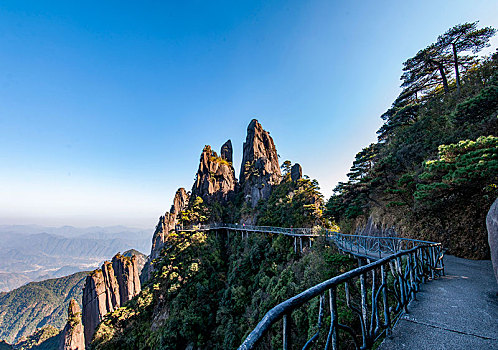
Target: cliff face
{"x":72,"y":336}
{"x":215,"y":179}
{"x":107,"y":289}
{"x":260,"y":169}
{"x":164,"y":226}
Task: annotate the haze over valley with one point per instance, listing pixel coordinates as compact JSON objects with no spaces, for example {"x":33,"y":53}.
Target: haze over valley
{"x":34,"y":253}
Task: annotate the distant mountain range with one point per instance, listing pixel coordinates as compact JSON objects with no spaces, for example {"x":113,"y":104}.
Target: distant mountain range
{"x":33,"y":253}
{"x":39,"y":304}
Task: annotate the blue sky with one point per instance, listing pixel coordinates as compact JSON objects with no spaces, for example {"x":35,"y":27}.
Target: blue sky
{"x":106,"y":106}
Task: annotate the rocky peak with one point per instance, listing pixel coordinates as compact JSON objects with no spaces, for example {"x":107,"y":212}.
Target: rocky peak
{"x":259,"y":169}
{"x":296,"y":172}
{"x":166,"y":224}
{"x":126,"y":271}
{"x":227,"y":151}
{"x":107,"y":289}
{"x":72,"y":336}
{"x":180,"y":201}
{"x":215,"y":179}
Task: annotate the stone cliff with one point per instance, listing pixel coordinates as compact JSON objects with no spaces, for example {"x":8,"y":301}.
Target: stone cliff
{"x":260,"y":170}
{"x":72,"y":336}
{"x":166,"y":224}
{"x":492,"y":226}
{"x":107,"y":289}
{"x":215,"y":179}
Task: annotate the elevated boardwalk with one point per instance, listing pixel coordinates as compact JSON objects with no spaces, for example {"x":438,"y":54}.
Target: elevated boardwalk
{"x":460,"y":311}
{"x":390,"y":275}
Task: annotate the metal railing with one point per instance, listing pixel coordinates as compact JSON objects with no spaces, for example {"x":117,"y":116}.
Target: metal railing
{"x":377,"y":293}
{"x":288,"y":231}
{"x":373,"y":247}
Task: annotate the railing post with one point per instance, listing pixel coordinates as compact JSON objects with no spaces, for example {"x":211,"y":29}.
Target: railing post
{"x":364,"y":306}
{"x":387,"y":315}
{"x":285,"y":332}
{"x":431,"y":261}
{"x":402,"y":283}
{"x":413,"y":288}
{"x":332,"y":336}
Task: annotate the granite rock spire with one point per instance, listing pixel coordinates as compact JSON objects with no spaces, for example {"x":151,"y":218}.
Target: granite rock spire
{"x":72,"y":336}
{"x":260,"y":169}
{"x":107,"y":289}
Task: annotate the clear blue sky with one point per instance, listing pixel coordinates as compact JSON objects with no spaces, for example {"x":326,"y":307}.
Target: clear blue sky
{"x":105,"y":106}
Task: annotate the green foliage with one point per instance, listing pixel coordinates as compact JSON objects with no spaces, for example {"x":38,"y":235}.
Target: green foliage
{"x":37,"y":304}
{"x":435,"y":159}
{"x":209,"y":291}
{"x":286,"y":167}
{"x":45,"y":338}
{"x":197,"y":212}
{"x":297,"y":204}
{"x":464,"y":166}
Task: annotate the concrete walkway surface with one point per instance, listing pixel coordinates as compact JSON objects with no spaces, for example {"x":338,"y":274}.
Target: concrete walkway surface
{"x":456,"y":311}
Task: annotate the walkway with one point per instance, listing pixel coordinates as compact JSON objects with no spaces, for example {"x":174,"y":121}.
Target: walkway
{"x":460,"y":311}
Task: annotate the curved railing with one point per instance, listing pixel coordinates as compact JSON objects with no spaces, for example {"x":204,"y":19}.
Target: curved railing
{"x":373,"y":247}
{"x":288,"y":231}
{"x":377,"y":293}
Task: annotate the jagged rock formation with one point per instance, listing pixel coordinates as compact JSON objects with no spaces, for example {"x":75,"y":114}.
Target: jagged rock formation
{"x":227,"y":151}
{"x":126,"y":272}
{"x":107,"y":289}
{"x":72,"y":336}
{"x":259,"y":169}
{"x":164,"y":226}
{"x":296,"y":172}
{"x":215,"y":179}
{"x":492,"y":226}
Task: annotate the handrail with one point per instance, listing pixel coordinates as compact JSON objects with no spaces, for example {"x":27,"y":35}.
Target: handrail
{"x":288,"y":231}
{"x":407,"y":268}
{"x":363,"y":246}
{"x":391,"y":281}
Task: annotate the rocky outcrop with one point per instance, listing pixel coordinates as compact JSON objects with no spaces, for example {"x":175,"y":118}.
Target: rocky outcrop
{"x":215,"y":179}
{"x":180,"y":201}
{"x":373,"y":228}
{"x":107,"y":289}
{"x":492,"y":226}
{"x":72,"y":336}
{"x":227,"y":151}
{"x":296,"y":172}
{"x":166,"y":224}
{"x":260,"y":170}
{"x":126,"y":272}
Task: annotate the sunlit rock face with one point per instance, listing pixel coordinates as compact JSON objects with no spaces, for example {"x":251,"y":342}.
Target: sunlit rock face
{"x":107,"y":289}
{"x":260,"y":169}
{"x":166,"y":224}
{"x":72,"y":336}
{"x":215,"y":179}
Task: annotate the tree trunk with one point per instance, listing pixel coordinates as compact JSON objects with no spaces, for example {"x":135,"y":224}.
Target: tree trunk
{"x":443,"y":76}
{"x":457,"y":73}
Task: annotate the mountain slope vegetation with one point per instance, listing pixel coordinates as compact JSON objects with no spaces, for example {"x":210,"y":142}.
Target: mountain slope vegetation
{"x":434,"y":171}
{"x":37,"y":304}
